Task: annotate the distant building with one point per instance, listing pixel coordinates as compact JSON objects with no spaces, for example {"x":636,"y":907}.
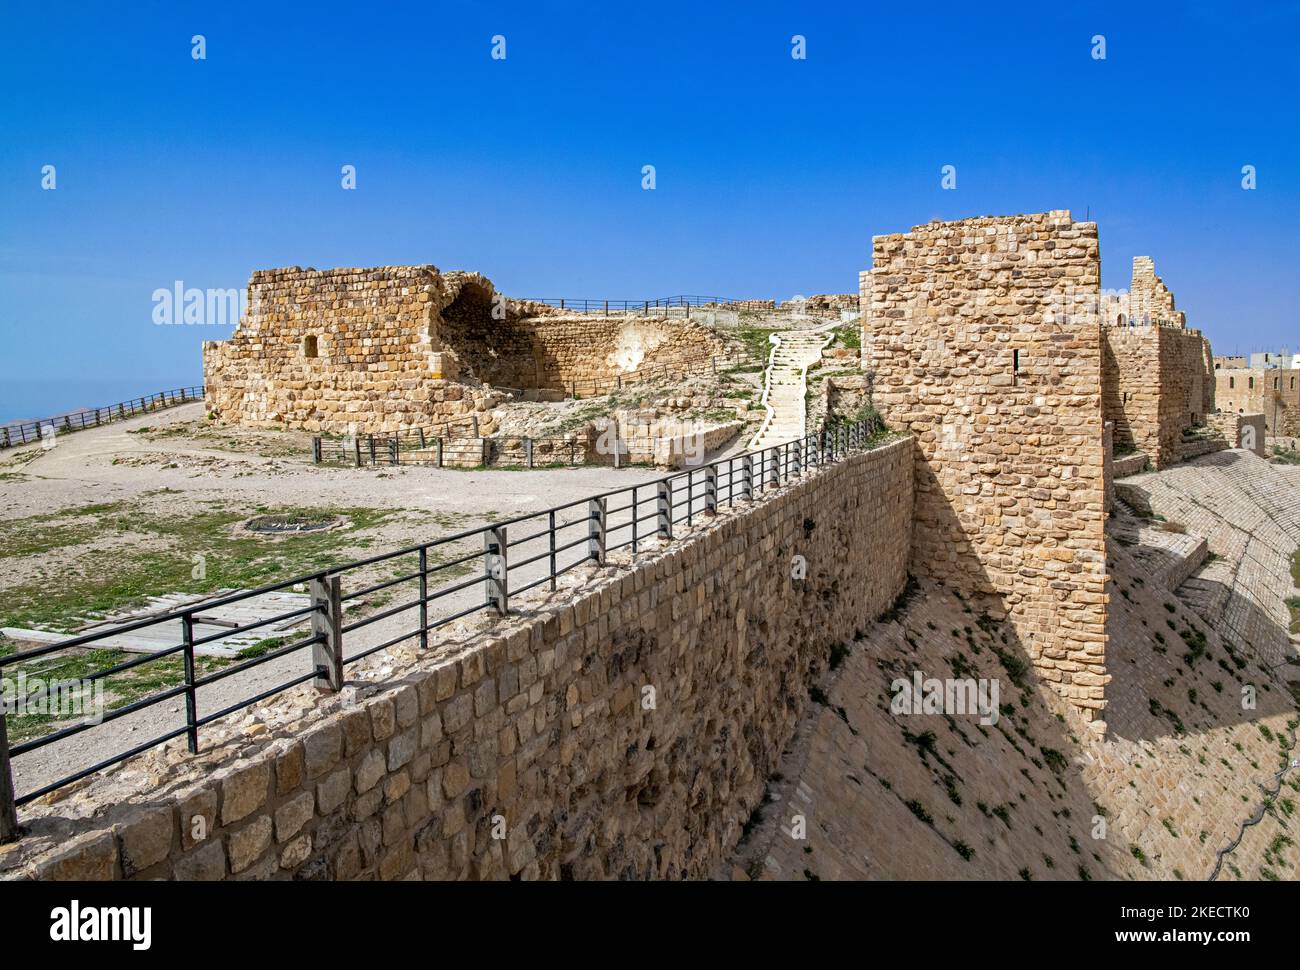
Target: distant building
{"x":1284,"y":360}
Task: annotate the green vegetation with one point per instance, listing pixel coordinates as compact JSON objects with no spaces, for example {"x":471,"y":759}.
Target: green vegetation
{"x":849,"y":337}
{"x":118,"y":689}
{"x":160,"y":553}
{"x":757,"y":341}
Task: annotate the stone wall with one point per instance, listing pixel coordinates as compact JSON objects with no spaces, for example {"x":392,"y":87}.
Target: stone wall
{"x":1157,"y":375}
{"x":1241,"y":430}
{"x":1150,"y":302}
{"x":984,"y":341}
{"x":536,"y":749}
{"x":398,"y":347}
{"x":343,"y":350}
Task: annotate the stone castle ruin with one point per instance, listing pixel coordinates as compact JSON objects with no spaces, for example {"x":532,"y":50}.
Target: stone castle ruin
{"x":401,"y":347}
{"x":988,"y":338}
{"x":986,"y":343}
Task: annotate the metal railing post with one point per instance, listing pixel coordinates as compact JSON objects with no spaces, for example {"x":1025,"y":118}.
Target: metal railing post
{"x":356,"y":451}
{"x":495,"y":569}
{"x":636,"y":531}
{"x":420,"y":431}
{"x":664,"y":506}
{"x":372,"y":449}
{"x":392,"y":451}
{"x":551,"y":536}
{"x":747,"y":478}
{"x":439,"y":446}
{"x":315,"y":450}
{"x":191,"y":695}
{"x":327,"y":624}
{"x":596,"y":509}
{"x":797,"y":457}
{"x":8,"y":810}
{"x":424,"y":597}
{"x":711,"y":490}
{"x":774,"y":477}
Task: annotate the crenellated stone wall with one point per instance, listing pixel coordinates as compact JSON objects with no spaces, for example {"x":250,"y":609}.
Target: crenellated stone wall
{"x":983,"y":340}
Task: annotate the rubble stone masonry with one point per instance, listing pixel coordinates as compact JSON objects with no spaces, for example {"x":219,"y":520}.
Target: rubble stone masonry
{"x":1158,"y":383}
{"x":1157,"y":375}
{"x":982,"y":338}
{"x":397,"y":347}
{"x":625,"y":730}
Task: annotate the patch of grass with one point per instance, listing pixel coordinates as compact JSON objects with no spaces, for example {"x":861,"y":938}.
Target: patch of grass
{"x":119,"y":578}
{"x":119,"y":689}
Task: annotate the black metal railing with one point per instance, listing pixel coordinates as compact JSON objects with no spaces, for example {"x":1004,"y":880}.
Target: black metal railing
{"x":648,"y":307}
{"x":437,"y":582}
{"x":25,"y":432}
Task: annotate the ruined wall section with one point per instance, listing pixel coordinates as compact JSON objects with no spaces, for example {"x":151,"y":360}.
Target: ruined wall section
{"x":1157,"y":384}
{"x":343,"y":349}
{"x":1150,"y":302}
{"x":984,"y":341}
{"x":1158,"y":378}
{"x":596,"y":349}
{"x":399,"y":347}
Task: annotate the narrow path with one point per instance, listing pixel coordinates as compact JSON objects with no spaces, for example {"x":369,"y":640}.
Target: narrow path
{"x":786,"y":384}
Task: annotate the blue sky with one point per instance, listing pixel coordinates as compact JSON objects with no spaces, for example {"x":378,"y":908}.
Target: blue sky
{"x":773,"y":174}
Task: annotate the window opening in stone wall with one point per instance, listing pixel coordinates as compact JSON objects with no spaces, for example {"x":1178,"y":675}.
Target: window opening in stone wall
{"x":309,"y":345}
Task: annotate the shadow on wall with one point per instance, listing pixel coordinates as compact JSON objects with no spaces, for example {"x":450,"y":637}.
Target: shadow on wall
{"x":504,"y":352}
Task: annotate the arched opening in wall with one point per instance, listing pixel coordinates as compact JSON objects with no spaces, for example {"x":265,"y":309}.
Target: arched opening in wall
{"x":309,"y":346}
{"x":499,"y":348}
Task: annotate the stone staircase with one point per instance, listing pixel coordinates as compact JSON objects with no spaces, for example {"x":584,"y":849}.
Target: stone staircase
{"x":786,"y":386}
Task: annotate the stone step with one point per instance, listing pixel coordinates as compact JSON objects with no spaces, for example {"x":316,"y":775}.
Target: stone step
{"x":1168,"y":555}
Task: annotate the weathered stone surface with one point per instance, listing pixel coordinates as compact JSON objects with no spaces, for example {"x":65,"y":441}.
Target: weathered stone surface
{"x":327,"y":350}
{"x":293,"y":815}
{"x":205,"y":864}
{"x":984,"y":341}
{"x":92,"y":857}
{"x":244,"y":791}
{"x":146,"y":839}
{"x":245,"y":845}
